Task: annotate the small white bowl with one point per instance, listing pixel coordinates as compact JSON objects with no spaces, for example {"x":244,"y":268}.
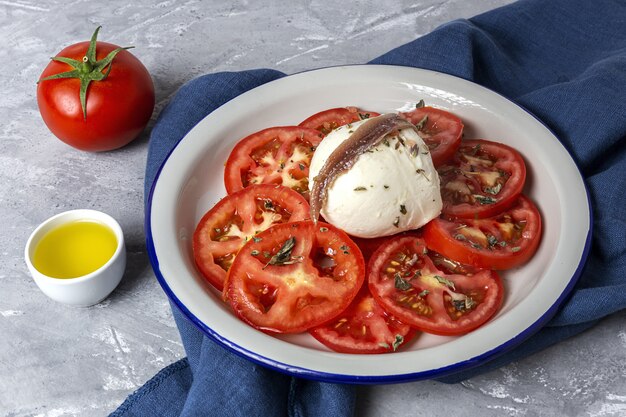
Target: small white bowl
{"x":89,"y":289}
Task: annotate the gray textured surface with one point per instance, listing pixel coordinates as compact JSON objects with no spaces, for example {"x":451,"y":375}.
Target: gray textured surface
{"x":60,"y":361}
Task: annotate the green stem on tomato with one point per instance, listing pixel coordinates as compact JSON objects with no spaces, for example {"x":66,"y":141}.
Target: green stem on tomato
{"x":86,"y":70}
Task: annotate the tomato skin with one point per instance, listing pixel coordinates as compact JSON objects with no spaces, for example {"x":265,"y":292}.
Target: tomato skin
{"x":214,"y":249}
{"x":521,"y":238}
{"x":364,"y":328}
{"x":324,"y":273}
{"x":327,"y":120}
{"x":266,"y":157}
{"x":425,"y":302}
{"x":462,"y":190}
{"x":442,"y":132}
{"x":118,"y":108}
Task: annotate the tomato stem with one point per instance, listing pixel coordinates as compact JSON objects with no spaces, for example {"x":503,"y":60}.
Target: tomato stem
{"x":86,"y":66}
{"x":86,"y":70}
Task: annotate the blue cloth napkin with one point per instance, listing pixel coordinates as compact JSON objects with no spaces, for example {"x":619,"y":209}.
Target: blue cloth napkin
{"x":564,"y":61}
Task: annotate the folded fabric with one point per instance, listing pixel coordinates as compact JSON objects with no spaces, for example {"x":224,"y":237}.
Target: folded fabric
{"x":564,"y":61}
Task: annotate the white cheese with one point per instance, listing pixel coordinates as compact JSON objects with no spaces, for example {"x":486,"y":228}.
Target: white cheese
{"x":391,"y":188}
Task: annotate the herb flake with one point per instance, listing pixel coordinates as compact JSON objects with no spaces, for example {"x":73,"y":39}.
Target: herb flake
{"x":397,"y":342}
{"x":493,"y":190}
{"x":423,"y":173}
{"x":464,"y":304}
{"x":283,"y":256}
{"x":445,"y":282}
{"x":420,"y":125}
{"x":400,"y":283}
{"x":484,"y":199}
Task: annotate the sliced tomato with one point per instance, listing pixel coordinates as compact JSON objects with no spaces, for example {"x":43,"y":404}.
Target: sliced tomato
{"x":327,"y":120}
{"x":294,"y":276}
{"x":483,"y":179}
{"x":277,"y":155}
{"x":364,"y":327}
{"x":406,"y":283}
{"x":504,"y":241}
{"x":450,"y":266}
{"x":237,"y":218}
{"x":370,"y":245}
{"x":441,"y":131}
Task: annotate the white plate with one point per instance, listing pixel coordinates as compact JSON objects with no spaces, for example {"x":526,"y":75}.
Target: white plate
{"x":190,"y":182}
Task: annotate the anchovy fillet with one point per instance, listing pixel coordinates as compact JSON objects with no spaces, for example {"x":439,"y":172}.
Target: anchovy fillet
{"x":365,"y":137}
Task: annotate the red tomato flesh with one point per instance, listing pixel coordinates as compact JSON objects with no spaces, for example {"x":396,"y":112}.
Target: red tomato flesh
{"x":327,"y":120}
{"x":483,"y":179}
{"x":237,"y":218}
{"x":406,"y":283}
{"x":278,"y":155}
{"x":294,"y":276}
{"x":364,"y":327}
{"x":504,"y":241}
{"x":441,"y":131}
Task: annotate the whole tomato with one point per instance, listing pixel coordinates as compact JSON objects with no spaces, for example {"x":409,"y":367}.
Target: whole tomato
{"x":95,"y":96}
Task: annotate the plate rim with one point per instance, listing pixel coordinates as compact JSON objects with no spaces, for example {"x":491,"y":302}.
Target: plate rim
{"x":299,"y":371}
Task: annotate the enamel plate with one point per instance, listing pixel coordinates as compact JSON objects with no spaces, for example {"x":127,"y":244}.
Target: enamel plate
{"x":191,"y":181}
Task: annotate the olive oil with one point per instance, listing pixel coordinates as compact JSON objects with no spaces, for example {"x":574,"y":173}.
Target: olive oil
{"x":74,"y":249}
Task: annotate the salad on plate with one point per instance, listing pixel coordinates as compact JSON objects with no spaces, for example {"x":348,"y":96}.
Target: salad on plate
{"x":365,"y":229}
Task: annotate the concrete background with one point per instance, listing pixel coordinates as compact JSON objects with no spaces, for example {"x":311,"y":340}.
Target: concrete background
{"x":60,"y":361}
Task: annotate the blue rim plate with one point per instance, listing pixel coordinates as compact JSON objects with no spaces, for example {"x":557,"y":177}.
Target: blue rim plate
{"x":190,"y":181}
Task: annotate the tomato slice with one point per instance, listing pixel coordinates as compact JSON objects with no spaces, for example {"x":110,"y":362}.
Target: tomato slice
{"x":370,"y":245}
{"x":504,"y":241}
{"x":294,"y":276}
{"x":277,"y":155}
{"x":364,"y":327}
{"x":440,"y":130}
{"x":406,"y":283}
{"x":327,"y":120}
{"x":450,"y":266}
{"x":238,"y":217}
{"x":482,"y":179}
